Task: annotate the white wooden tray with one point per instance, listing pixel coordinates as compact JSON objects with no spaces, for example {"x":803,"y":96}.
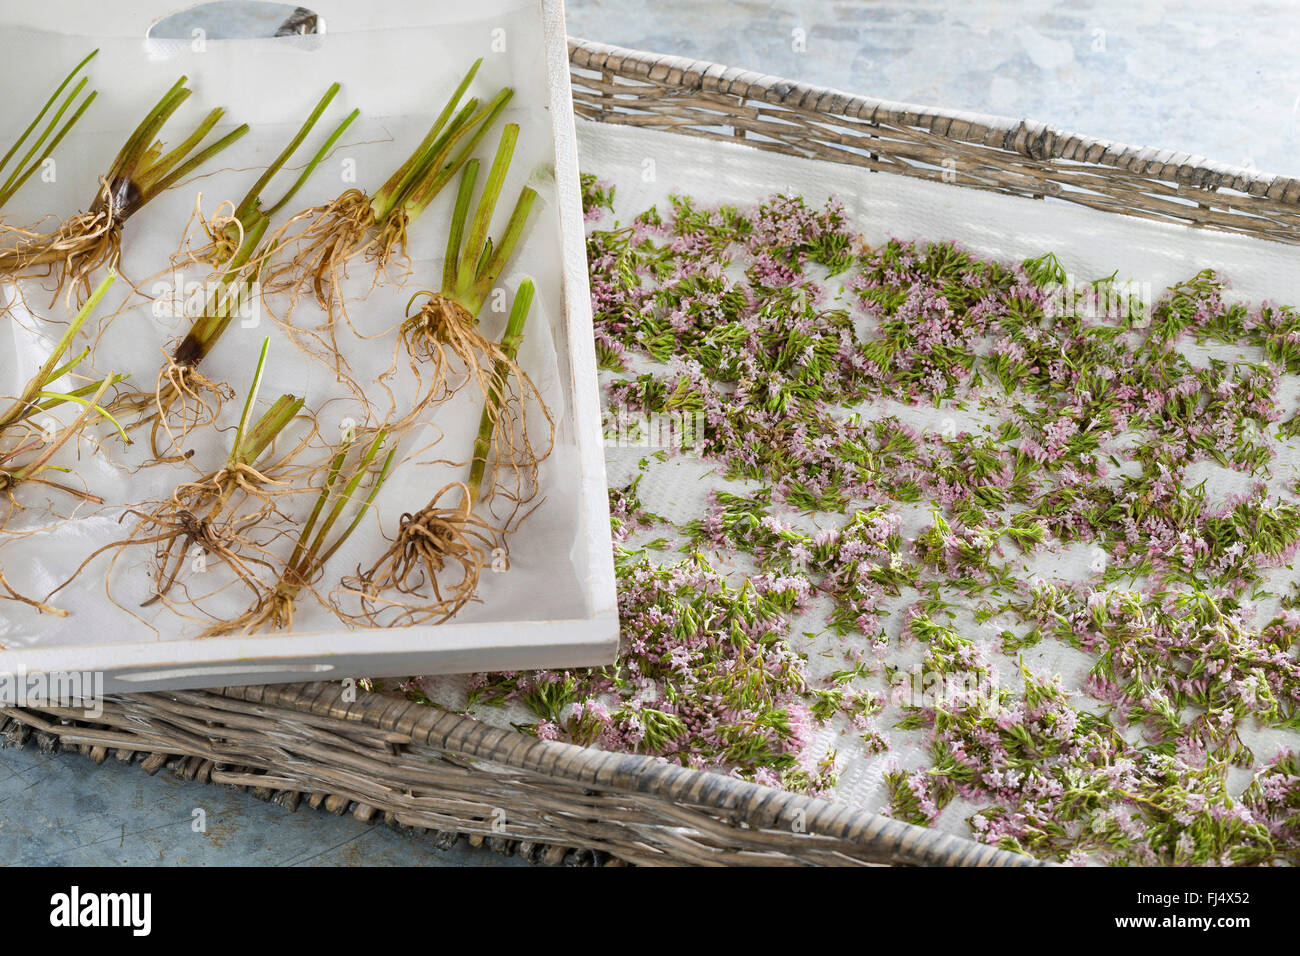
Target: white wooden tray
{"x":556,"y":606}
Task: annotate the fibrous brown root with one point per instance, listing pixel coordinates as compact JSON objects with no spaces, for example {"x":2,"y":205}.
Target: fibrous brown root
{"x":220,"y":248}
{"x":219,"y":515}
{"x":7,"y":591}
{"x":176,"y":407}
{"x":71,"y":254}
{"x":443,"y":342}
{"x":389,"y":242}
{"x":272,"y":611}
{"x":334,"y":234}
{"x":14,"y":236}
{"x":223,"y":239}
{"x":316,"y":257}
{"x":223,"y":537}
{"x":431,"y":570}
{"x":8,"y":483}
{"x":220,"y":487}
{"x":177,"y":533}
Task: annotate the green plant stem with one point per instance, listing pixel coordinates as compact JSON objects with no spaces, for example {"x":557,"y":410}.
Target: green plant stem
{"x":249,"y":442}
{"x":273,"y":421}
{"x":31,"y":162}
{"x":316,"y":160}
{"x":499,"y":256}
{"x":100,"y":387}
{"x":380,"y":478}
{"x":473,"y":263}
{"x":50,"y":371}
{"x":133,"y":150}
{"x":336,"y":466}
{"x":140,"y":172}
{"x":249,"y":212}
{"x":440,"y":170}
{"x":340,"y":503}
{"x":60,"y":397}
{"x":89,"y":408}
{"x":219,"y":310}
{"x":195,"y":161}
{"x":251,"y":398}
{"x":45,"y":109}
{"x":456,"y":233}
{"x":476,"y":242}
{"x":159,"y":169}
{"x":510,"y":341}
{"x":308,"y":557}
{"x":385,"y":200}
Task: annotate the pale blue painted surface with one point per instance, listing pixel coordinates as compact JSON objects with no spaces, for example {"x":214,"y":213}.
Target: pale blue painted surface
{"x":63,"y":810}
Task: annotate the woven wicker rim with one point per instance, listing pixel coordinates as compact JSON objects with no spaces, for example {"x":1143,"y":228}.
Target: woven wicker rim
{"x":1033,"y":139}
{"x":758,"y":806}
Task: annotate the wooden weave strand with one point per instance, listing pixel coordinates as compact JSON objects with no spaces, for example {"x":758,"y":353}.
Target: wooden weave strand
{"x":1017,"y":157}
{"x":422,"y":769}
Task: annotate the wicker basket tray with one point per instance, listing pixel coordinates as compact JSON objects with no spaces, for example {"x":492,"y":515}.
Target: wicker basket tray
{"x":425,"y":770}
